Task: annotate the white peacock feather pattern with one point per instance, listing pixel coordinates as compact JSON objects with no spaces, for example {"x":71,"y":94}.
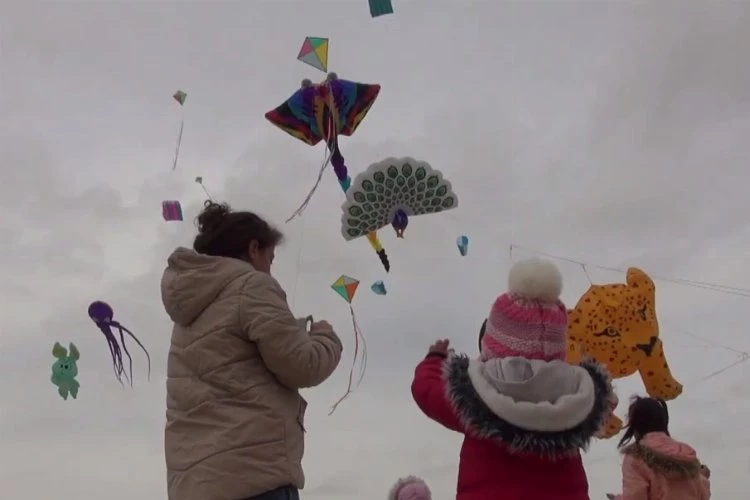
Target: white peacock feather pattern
{"x":391,"y":187}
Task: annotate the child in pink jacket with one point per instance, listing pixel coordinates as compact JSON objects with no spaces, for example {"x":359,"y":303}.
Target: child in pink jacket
{"x":657,"y":467}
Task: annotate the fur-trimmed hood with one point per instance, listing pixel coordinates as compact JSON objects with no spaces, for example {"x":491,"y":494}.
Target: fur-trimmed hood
{"x":665,"y":455}
{"x":547,"y":408}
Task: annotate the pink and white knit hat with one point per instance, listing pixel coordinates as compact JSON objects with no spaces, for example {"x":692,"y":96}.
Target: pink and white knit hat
{"x":410,"y":488}
{"x":530,"y":320}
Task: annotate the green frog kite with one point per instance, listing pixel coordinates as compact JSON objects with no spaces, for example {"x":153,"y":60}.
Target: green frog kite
{"x":65,"y":370}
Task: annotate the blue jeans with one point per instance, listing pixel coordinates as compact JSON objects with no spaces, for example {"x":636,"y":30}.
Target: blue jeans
{"x":283,"y":493}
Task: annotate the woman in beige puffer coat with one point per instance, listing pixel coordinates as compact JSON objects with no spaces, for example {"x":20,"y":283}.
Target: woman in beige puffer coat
{"x":238,"y":357}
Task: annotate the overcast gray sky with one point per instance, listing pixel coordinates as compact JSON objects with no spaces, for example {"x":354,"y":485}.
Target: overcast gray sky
{"x":613,"y":133}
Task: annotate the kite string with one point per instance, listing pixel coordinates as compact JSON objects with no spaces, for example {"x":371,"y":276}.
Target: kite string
{"x":299,"y":264}
{"x":205,"y":190}
{"x":179,"y":140}
{"x":714,"y":287}
{"x":742,"y":358}
{"x":709,"y":342}
{"x":357,"y":337}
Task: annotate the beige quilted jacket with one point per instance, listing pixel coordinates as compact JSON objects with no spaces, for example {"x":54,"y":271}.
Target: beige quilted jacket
{"x":235,"y":418}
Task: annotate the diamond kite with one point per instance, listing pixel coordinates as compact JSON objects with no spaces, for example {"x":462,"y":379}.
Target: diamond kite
{"x":346,"y":287}
{"x":171,"y":210}
{"x":65,"y":370}
{"x":180,"y":97}
{"x":323,"y":112}
{"x":102,"y":315}
{"x":314,"y":52}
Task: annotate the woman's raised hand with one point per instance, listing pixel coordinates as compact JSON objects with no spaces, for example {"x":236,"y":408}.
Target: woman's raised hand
{"x":321,"y":326}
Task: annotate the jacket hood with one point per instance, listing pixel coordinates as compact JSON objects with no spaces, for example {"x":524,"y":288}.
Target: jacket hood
{"x":665,"y":455}
{"x":548,"y":408}
{"x":192,"y":281}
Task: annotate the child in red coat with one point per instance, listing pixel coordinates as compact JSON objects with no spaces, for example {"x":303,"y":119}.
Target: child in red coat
{"x":525,"y":413}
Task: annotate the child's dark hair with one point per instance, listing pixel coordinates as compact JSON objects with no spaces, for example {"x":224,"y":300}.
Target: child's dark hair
{"x":224,"y":233}
{"x":645,"y":415}
{"x":482,"y":329}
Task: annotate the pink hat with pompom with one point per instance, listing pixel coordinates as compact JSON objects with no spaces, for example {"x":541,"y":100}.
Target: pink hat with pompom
{"x":529,"y":320}
{"x":410,"y":488}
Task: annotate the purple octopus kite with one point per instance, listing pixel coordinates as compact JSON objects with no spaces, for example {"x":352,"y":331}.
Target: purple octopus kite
{"x":102,"y":314}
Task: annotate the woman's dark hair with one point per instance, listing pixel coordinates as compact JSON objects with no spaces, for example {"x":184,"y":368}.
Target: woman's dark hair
{"x":645,"y":415}
{"x":482,"y":329}
{"x":224,"y":233}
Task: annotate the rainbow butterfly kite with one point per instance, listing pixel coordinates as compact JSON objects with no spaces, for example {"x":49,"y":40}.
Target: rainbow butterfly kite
{"x":324,"y":112}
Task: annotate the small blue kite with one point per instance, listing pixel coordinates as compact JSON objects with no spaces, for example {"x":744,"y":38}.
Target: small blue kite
{"x":380,"y":7}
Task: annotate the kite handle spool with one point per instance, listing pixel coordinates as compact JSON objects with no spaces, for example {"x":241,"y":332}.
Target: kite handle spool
{"x":306,"y":322}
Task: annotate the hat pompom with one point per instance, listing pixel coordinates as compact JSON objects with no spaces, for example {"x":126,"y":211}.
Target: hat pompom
{"x":535,"y":279}
{"x":410,"y":488}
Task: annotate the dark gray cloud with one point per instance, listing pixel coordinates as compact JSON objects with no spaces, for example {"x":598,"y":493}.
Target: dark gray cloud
{"x":608,"y":133}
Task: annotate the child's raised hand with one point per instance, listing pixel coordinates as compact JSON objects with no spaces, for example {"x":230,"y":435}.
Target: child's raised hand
{"x":440,"y":347}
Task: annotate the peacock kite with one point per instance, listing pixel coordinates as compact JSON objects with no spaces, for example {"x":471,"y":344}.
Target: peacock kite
{"x":390,"y":192}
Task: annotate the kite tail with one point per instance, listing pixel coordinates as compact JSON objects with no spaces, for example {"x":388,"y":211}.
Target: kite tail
{"x":327,"y":160}
{"x":378,"y":247}
{"x":179,"y":141}
{"x":357,"y":337}
{"x":363,"y":363}
{"x":114,"y":350}
{"x":309,"y":196}
{"x":123,"y":329}
{"x":127,"y":353}
{"x":337,"y":160}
